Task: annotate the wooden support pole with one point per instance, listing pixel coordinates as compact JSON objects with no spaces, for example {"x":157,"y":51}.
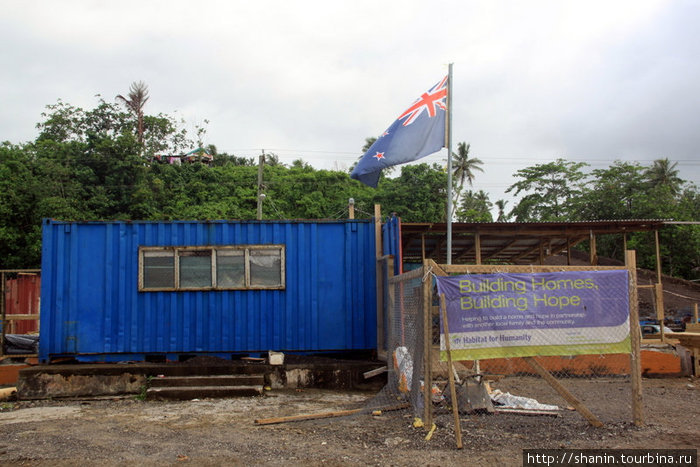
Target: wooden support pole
{"x":568,"y":251}
{"x":635,"y":339}
{"x":594,"y":250}
{"x":541,"y":246}
{"x":660,"y":313}
{"x":380,"y":282}
{"x":351,"y":208}
{"x":427,"y":347}
{"x":3,"y":322}
{"x":451,"y":378}
{"x":658,"y":256}
{"x":477,"y":247}
{"x":695,"y":313}
{"x":570,"y":398}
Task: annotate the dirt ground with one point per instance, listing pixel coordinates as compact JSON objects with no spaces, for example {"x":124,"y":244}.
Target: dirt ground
{"x":213,"y":432}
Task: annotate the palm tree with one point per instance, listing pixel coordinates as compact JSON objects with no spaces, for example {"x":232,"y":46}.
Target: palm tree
{"x":368,"y":143}
{"x":463,"y":169}
{"x":501,"y":205}
{"x":135,"y":101}
{"x":664,"y":173}
{"x":273,"y":160}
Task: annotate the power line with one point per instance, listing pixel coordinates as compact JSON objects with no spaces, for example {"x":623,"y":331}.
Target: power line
{"x":353,"y":155}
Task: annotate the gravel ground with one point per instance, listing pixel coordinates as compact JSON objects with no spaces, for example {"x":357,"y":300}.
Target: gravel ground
{"x":213,"y":432}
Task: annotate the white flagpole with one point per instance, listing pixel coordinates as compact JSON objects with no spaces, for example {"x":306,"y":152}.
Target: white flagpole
{"x":448,"y":137}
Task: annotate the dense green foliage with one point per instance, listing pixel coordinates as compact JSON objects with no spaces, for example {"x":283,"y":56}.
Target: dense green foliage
{"x":561,"y":191}
{"x":99,"y":164}
{"x":86,"y":165}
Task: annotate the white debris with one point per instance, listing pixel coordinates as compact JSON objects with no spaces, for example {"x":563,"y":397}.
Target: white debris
{"x":506,"y":399}
{"x":404,"y":365}
{"x":275,"y":358}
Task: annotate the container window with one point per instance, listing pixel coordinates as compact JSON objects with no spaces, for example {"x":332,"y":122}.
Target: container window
{"x":239,"y":267}
{"x":158,"y":269}
{"x":230,"y":268}
{"x":195,"y":269}
{"x":265,"y":268}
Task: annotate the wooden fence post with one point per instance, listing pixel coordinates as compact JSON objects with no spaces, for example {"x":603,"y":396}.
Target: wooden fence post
{"x":635,"y":339}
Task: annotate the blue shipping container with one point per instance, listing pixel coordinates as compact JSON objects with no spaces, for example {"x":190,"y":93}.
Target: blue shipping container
{"x":115,"y":291}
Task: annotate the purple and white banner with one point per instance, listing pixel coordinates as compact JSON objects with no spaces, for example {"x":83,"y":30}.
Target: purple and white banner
{"x":519,"y":315}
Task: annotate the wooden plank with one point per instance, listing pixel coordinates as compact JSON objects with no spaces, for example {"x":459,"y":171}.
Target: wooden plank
{"x":531,"y":412}
{"x":316,"y":416}
{"x":635,"y":339}
{"x":414,"y":274}
{"x":436,"y":268}
{"x":570,"y":398}
{"x":6,"y":393}
{"x":486,"y":269}
{"x":20,"y":317}
{"x":451,"y":378}
{"x":375,"y":372}
{"x":313,"y":416}
{"x":21,"y":271}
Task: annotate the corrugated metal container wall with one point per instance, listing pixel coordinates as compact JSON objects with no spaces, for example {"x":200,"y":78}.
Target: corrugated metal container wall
{"x":391,"y":241}
{"x":91,"y":305}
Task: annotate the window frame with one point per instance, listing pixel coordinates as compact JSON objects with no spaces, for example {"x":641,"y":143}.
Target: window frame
{"x":175,"y":250}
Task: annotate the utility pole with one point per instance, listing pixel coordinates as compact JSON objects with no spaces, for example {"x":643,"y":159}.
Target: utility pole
{"x":351,"y":208}
{"x":261,"y":163}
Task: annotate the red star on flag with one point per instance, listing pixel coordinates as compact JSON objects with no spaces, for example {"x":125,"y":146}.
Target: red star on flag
{"x":379,"y":155}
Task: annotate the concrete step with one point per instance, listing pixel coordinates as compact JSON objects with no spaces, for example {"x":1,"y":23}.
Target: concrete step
{"x":198,"y":392}
{"x":211,"y":380}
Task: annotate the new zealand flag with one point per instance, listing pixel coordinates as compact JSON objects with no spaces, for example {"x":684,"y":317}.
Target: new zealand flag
{"x":416,"y":133}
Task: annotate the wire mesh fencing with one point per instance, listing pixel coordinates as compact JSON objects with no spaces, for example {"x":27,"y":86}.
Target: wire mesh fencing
{"x":558,"y":377}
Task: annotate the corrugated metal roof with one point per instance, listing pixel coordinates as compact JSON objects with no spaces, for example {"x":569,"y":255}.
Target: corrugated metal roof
{"x":508,"y":242}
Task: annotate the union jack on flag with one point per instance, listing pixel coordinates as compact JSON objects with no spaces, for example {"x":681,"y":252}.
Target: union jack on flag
{"x":430,"y":102}
{"x":416,"y":133}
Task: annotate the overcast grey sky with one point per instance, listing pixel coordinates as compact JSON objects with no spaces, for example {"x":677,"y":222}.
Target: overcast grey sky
{"x":589,"y":81}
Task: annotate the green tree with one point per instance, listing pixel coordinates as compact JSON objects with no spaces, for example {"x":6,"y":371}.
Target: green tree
{"x":664,"y":173}
{"x":475,"y":207}
{"x":550,"y":190}
{"x":419,"y":194}
{"x":618,"y":192}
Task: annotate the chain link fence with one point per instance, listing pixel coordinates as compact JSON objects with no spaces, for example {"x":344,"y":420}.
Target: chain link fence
{"x":600,"y":386}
